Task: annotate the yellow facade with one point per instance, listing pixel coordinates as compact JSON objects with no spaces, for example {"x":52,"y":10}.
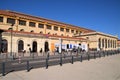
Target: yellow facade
{"x":38,"y":32}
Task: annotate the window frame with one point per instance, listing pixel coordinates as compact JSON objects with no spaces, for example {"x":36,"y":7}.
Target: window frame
{"x":10,"y":20}
{"x":55,"y":28}
{"x":22,"y":22}
{"x":32,"y":24}
{"x":62,"y":29}
{"x":49,"y":27}
{"x":40,"y":25}
{"x":1,"y":19}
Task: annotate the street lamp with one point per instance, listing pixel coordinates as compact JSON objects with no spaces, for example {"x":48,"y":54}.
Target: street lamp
{"x":11,"y":37}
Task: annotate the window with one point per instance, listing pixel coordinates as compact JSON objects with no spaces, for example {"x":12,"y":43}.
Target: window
{"x":48,"y":27}
{"x":22,"y":22}
{"x":1,"y":19}
{"x":61,"y":29}
{"x":61,"y":34}
{"x":10,"y":20}
{"x":55,"y":33}
{"x":80,"y":32}
{"x":41,"y":25}
{"x":55,"y":28}
{"x":31,"y":31}
{"x":32,"y":24}
{"x":48,"y":32}
{"x":22,"y":30}
{"x":72,"y":31}
{"x":41,"y":32}
{"x":76,"y":32}
{"x":67,"y":30}
{"x":87,"y":37}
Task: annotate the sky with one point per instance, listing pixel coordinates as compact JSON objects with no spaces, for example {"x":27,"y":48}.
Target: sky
{"x":99,"y":15}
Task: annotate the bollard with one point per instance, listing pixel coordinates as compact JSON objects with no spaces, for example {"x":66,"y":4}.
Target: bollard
{"x":46,"y":63}
{"x":107,"y":53}
{"x":28,"y":66}
{"x":60,"y":61}
{"x":88,"y":57}
{"x":99,"y":55}
{"x":104,"y":54}
{"x":94,"y":56}
{"x":72,"y":60}
{"x":3,"y":69}
{"x":81,"y":58}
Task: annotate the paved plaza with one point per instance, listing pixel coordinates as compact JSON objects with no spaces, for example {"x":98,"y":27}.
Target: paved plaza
{"x":105,"y":68}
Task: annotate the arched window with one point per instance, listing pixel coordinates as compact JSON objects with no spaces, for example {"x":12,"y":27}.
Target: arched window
{"x":22,"y":30}
{"x":48,"y":32}
{"x":31,"y":31}
{"x":20,"y":45}
{"x":41,"y":32}
{"x":61,"y":34}
{"x":4,"y":46}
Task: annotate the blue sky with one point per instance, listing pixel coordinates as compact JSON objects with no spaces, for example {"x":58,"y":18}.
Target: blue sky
{"x":99,"y":15}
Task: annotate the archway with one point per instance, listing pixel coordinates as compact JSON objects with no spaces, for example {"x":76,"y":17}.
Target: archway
{"x":67,"y":46}
{"x":4,"y":46}
{"x":46,"y":46}
{"x":34,"y":46}
{"x":20,"y":45}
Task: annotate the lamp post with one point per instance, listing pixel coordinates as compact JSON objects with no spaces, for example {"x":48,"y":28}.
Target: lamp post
{"x":11,"y":38}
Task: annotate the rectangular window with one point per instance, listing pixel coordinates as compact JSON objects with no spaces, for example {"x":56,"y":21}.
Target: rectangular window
{"x":67,"y":30}
{"x":55,"y":28}
{"x":61,"y":29}
{"x":72,"y":31}
{"x":41,"y":25}
{"x":48,"y":27}
{"x":10,"y":20}
{"x":22,"y":22}
{"x":1,"y":19}
{"x":32,"y":24}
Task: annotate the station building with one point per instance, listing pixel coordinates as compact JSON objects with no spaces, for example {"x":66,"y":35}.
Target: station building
{"x":25,"y":32}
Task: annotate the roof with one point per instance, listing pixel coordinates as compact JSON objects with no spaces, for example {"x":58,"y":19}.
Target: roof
{"x":40,"y":19}
{"x":100,"y":33}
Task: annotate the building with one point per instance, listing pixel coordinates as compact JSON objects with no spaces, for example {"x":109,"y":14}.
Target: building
{"x":118,"y":44}
{"x":31,"y":33}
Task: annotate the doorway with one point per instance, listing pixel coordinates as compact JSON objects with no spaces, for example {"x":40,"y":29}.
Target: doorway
{"x":34,"y":46}
{"x":46,"y":46}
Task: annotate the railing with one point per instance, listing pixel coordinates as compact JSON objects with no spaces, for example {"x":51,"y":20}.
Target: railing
{"x":49,"y":60}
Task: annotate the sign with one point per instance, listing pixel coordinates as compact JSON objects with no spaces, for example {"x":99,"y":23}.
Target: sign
{"x":60,"y":45}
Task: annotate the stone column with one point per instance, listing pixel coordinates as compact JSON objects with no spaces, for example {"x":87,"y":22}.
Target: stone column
{"x":4,"y":19}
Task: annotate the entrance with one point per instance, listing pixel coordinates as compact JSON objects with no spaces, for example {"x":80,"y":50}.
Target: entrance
{"x":4,"y":46}
{"x":20,"y":46}
{"x":46,"y":46}
{"x":34,"y":46}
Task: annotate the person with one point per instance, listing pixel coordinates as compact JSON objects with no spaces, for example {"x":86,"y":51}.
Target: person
{"x":41,"y":51}
{"x":30,"y":51}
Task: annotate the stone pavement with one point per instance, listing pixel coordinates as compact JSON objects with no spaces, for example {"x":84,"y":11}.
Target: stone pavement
{"x":105,"y":68}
